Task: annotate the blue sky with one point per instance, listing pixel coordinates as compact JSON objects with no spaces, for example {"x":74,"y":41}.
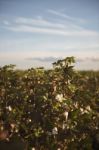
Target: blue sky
{"x":37,"y":32}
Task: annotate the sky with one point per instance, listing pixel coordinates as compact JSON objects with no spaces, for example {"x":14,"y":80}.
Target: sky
{"x":36,"y":33}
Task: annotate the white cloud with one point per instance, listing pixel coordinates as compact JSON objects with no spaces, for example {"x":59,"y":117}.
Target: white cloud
{"x":41,"y":22}
{"x":63,"y":15}
{"x":30,"y":29}
{"x":43,"y":26}
{"x":72,"y":22}
{"x":38,"y":22}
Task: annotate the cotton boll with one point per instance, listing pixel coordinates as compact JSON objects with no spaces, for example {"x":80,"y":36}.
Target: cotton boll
{"x":9,"y":108}
{"x":59,"y":97}
{"x":66,"y":114}
{"x":55,"y":130}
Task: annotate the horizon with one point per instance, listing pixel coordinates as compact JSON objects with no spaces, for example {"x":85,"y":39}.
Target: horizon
{"x":36,"y":33}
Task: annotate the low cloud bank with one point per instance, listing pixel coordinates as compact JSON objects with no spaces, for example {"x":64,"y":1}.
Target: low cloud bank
{"x":52,"y":59}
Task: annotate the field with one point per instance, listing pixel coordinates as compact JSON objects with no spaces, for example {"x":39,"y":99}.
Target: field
{"x":55,"y":109}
